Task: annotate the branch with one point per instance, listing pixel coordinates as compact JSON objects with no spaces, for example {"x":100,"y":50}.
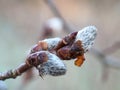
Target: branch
{"x":106,"y":59}
{"x":13,"y":73}
{"x":47,"y":55}
{"x":107,"y":62}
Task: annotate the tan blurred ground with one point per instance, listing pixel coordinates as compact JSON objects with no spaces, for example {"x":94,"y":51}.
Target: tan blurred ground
{"x":21,"y":26}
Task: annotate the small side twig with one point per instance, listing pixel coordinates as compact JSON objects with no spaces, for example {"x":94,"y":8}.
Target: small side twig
{"x":106,"y":59}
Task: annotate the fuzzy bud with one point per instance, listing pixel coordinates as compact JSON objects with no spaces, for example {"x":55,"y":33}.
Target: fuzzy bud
{"x":87,"y":36}
{"x":54,"y":66}
{"x":52,"y":42}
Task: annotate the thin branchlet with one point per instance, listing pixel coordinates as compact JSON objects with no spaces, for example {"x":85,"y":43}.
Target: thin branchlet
{"x":3,"y":85}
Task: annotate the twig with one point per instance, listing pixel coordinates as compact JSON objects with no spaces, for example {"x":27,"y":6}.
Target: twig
{"x":48,"y":54}
{"x":13,"y":73}
{"x":106,"y":59}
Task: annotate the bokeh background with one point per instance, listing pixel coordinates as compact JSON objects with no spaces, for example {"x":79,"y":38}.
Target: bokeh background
{"x":21,"y":26}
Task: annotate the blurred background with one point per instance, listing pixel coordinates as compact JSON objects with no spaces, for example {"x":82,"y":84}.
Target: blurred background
{"x":22,"y":25}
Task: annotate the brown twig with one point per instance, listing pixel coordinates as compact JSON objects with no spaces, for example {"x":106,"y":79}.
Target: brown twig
{"x":13,"y":73}
{"x":31,"y":61}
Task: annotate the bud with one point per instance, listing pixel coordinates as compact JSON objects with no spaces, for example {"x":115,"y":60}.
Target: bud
{"x":87,"y":36}
{"x":54,"y":66}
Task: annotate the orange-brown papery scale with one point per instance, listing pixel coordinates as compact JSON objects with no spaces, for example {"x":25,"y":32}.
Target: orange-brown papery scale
{"x":79,"y":61}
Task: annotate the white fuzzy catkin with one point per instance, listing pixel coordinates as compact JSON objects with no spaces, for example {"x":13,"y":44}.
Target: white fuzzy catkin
{"x":87,"y":35}
{"x":52,"y":42}
{"x":54,"y":66}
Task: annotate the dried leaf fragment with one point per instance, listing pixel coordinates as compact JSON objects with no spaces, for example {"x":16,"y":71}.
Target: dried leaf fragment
{"x":79,"y":61}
